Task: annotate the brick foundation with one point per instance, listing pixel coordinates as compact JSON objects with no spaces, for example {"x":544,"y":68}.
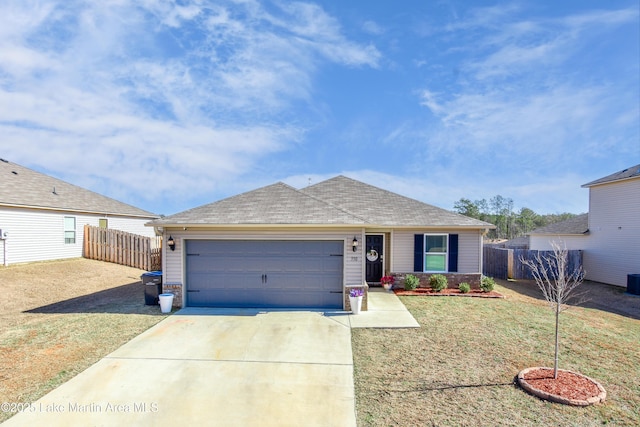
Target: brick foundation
{"x":453,"y":279}
{"x":176,"y":290}
{"x":365,"y":299}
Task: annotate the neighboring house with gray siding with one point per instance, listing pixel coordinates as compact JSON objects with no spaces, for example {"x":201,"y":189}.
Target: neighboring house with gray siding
{"x":609,"y":235}
{"x":278,"y":246}
{"x":42,"y":217}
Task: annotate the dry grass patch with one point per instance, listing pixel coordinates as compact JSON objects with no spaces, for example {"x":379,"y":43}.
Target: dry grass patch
{"x":458,"y":369}
{"x":59,"y":318}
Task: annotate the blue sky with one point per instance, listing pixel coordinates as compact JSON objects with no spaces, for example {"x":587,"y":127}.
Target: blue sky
{"x":169,"y":105}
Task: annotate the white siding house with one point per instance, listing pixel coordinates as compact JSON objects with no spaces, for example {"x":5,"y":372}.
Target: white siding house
{"x":268,"y":247}
{"x":609,"y":235}
{"x":613,"y":247}
{"x":571,"y":234}
{"x":42,"y":218}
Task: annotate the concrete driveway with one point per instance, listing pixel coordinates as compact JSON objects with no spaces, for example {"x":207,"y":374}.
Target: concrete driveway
{"x":215,"y":367}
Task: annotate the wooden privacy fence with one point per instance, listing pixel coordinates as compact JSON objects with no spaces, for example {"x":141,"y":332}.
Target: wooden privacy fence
{"x":123,"y":248}
{"x":501,"y":263}
{"x":497,"y":262}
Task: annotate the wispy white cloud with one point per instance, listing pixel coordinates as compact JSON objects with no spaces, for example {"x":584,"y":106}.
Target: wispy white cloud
{"x":504,"y":118}
{"x":373,"y":27}
{"x":144,"y":99}
{"x":484,"y":17}
{"x":526,"y":103}
{"x":519,"y":46}
{"x":520,"y":94}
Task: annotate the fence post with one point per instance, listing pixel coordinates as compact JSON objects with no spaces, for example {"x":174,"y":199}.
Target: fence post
{"x":86,"y":240}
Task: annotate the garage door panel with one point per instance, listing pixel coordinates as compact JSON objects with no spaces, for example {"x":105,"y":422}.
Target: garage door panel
{"x":316,"y":299}
{"x":264,"y":273}
{"x":222,"y":297}
{"x":206,"y":281}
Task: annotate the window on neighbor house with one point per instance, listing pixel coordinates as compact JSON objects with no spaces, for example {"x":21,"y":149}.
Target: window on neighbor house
{"x":103,"y":223}
{"x":435,"y":252}
{"x":69,"y":230}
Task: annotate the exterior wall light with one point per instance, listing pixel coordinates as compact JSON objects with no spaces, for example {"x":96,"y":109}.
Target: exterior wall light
{"x":354,"y":244}
{"x":171,"y":243}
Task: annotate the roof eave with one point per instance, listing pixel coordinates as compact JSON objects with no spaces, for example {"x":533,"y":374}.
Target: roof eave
{"x":596,"y":183}
{"x":559,"y":234}
{"x":76,"y":211}
{"x":262,"y":225}
{"x":317,"y":225}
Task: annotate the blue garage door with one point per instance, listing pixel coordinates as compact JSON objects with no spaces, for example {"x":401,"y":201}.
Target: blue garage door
{"x":248,"y":273}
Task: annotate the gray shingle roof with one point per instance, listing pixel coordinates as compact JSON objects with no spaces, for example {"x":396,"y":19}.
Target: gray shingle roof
{"x":631,"y":172}
{"x":382,"y":207}
{"x":337,"y":201}
{"x":21,"y":186}
{"x":274,"y":204}
{"x":578,"y":224}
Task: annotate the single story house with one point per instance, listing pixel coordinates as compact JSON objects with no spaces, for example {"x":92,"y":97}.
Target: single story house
{"x":572,"y":233}
{"x":42,"y":217}
{"x":278,"y":246}
{"x":609,"y":235}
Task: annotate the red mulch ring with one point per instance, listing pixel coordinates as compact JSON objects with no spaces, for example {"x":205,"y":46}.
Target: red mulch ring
{"x":569,"y":388}
{"x":449,"y":292}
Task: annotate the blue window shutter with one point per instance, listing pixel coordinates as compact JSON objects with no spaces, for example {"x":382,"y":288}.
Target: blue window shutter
{"x":453,"y":253}
{"x":418,"y":252}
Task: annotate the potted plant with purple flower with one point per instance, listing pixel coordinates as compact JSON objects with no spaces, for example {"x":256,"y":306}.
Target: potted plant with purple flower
{"x":355,"y":299}
{"x":387,"y":282}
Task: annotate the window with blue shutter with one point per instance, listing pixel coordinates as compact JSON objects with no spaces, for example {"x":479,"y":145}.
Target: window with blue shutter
{"x":418,"y":252}
{"x":435,"y":253}
{"x":453,"y":253}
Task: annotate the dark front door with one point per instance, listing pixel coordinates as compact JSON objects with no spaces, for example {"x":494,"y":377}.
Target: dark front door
{"x":373,"y":254}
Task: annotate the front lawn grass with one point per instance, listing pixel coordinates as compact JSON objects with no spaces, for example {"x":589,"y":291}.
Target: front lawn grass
{"x":60,"y":317}
{"x":458,"y":369}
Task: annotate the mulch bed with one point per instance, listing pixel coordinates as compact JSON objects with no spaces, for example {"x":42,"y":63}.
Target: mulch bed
{"x":477,"y":293}
{"x":570,"y":388}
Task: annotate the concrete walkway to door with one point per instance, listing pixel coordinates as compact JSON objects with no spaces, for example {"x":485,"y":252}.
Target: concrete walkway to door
{"x":385,"y":311}
{"x":223,"y":367}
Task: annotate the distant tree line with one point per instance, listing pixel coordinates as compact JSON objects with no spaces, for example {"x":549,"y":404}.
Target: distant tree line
{"x":500,"y":212}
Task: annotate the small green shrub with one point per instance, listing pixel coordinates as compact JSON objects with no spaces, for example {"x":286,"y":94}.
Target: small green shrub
{"x":411,"y":282}
{"x":487,"y":284}
{"x":464,"y":287}
{"x":438,"y":282}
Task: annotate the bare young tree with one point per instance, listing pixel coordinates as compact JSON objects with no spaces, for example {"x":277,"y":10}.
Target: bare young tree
{"x":551,"y":274}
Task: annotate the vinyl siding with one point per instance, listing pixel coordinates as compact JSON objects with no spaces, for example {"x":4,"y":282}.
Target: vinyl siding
{"x":469,"y":254}
{"x":38,"y":235}
{"x":174,"y":261}
{"x":542,"y":242}
{"x":613,"y":249}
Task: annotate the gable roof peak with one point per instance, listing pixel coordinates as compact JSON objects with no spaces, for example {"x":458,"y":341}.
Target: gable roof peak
{"x":275,"y":204}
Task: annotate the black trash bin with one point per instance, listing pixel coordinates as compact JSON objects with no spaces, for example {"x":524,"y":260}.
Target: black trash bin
{"x":633,"y":284}
{"x":152,"y":282}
